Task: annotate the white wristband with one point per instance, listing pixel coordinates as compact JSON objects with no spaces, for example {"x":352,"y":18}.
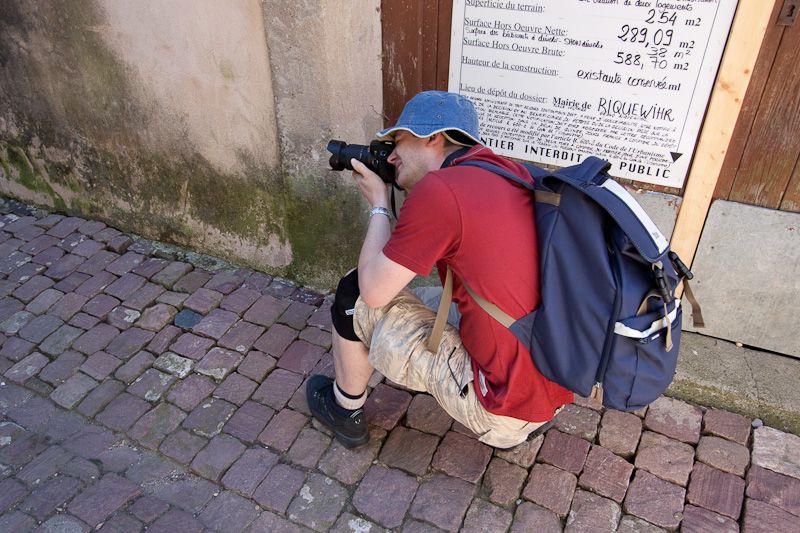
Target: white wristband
{"x":380,"y":211}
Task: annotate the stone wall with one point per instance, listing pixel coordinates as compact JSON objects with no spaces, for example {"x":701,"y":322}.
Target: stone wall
{"x":196,"y":122}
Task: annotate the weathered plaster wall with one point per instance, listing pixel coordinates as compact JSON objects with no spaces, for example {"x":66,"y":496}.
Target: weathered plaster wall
{"x":197,"y":122}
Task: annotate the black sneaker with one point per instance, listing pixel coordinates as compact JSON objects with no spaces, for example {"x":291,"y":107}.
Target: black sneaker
{"x":350,"y":430}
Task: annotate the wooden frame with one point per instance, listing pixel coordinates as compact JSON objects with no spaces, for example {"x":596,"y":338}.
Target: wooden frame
{"x":744,"y":42}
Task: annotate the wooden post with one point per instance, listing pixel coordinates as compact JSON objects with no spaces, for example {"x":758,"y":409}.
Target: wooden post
{"x":744,"y":42}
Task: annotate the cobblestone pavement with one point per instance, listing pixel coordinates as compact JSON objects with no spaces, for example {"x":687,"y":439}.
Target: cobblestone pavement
{"x":142,"y":392}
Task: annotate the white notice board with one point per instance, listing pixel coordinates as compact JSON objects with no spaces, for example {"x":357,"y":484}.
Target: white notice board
{"x":555,"y":81}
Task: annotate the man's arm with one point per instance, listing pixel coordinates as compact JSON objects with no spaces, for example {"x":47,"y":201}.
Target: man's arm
{"x":379,"y":278}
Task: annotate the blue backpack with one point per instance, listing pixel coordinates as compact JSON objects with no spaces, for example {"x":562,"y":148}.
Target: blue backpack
{"x":608,"y":325}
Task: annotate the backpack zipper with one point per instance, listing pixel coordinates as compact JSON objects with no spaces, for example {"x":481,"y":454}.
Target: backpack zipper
{"x":616,"y":268}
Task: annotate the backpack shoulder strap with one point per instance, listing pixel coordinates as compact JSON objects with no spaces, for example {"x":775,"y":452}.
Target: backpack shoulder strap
{"x":491,"y":167}
{"x":541,"y":195}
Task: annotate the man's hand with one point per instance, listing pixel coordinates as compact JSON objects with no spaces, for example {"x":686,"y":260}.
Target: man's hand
{"x":371,"y":185}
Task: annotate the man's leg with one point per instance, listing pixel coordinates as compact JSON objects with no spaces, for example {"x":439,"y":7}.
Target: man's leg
{"x":350,"y":361}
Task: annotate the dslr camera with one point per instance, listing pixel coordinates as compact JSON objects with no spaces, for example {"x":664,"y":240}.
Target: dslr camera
{"x":375,"y":157}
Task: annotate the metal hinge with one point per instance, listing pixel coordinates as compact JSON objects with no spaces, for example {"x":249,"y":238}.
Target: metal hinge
{"x":789,"y":12}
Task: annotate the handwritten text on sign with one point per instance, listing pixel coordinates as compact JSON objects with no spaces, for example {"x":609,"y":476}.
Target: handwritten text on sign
{"x":557,"y":80}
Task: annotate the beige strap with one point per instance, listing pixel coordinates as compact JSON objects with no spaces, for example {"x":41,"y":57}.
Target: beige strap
{"x":441,"y":313}
{"x":668,"y":339}
{"x":643,"y":306}
{"x":547,"y":197}
{"x":493,"y":310}
{"x":697,"y":313}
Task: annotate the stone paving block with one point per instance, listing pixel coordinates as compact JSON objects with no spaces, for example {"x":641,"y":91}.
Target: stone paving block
{"x":503,"y":482}
{"x":531,"y":517}
{"x":88,"y":248}
{"x":235,"y":389}
{"x":61,"y":368}
{"x":16,"y":349}
{"x":228,"y":512}
{"x":101,"y":396}
{"x":121,"y":523}
{"x":52,"y":494}
{"x":182,"y":446}
{"x":9,"y":306}
{"x":277,"y":388}
{"x":100,"y":306}
{"x":91,"y":442}
{"x":723,"y":454}
{"x":319,"y":503}
{"x":308,"y":448}
{"x":34,"y":414}
{"x":316,"y":336}
{"x":125,"y":263}
{"x":20,"y":452}
{"x":773,"y":488}
{"x":29,"y":232}
{"x":191,"y":391}
{"x":760,"y":517}
{"x":425,"y":414}
{"x":32,"y":288}
{"x":27,"y":368}
{"x":301,"y":357}
{"x":409,"y":450}
{"x":71,"y":241}
{"x":551,"y":487}
{"x":122,"y":412}
{"x":606,"y":474}
{"x":667,"y":458}
{"x":84,"y":321}
{"x":215,"y":324}
{"x":119,"y":243}
{"x":218,"y":363}
{"x":71,"y":282}
{"x":579,"y":421}
{"x":483,"y":516}
{"x":129,"y":342}
{"x":144,"y":297}
{"x":96,"y":284}
{"x":97,"y":263}
{"x":72,"y":391}
{"x":192,"y":281}
{"x":95,"y":339}
{"x":699,"y":520}
{"x":462,"y":457}
{"x":134,"y":367}
{"x":176,"y":520}
{"x":239,"y":300}
{"x":156,"y":317}
{"x":163,"y":339}
{"x":716,"y":490}
{"x":266,"y":310}
{"x":776,"y":451}
{"x":24,"y":273}
{"x":208,"y":418}
{"x":43,"y":466}
{"x":385,"y":406}
{"x":40,"y":328}
{"x":219,"y":454}
{"x":65,"y":227}
{"x":44,"y":301}
{"x":202,"y":301}
{"x":442,"y":501}
{"x":172,"y":273}
{"x":249,"y":421}
{"x":91,"y":227}
{"x":275,"y":341}
{"x":227,"y":281}
{"x":187,"y":319}
{"x":122,"y":317}
{"x":247,"y":473}
{"x":564,"y":451}
{"x":190,"y":493}
{"x":38,"y":386}
{"x":64,"y":522}
{"x":60,"y":340}
{"x":175,"y":299}
{"x":257,"y":281}
{"x":268,"y":521}
{"x":620,"y":432}
{"x":64,"y":267}
{"x":101,"y":500}
{"x":631,"y":524}
{"x":385,"y":495}
{"x":151,"y":469}
{"x":281,"y":288}
{"x":674,"y":418}
{"x":241,"y":336}
{"x":191,"y":346}
{"x":38,"y":244}
{"x":296,"y":315}
{"x":592,"y":513}
{"x":148,"y":508}
{"x":68,"y":305}
{"x":655,"y":500}
{"x":151,"y":385}
{"x":256,"y":365}
{"x":279,"y":487}
{"x":13,"y":324}
{"x":282,"y":429}
{"x":100,"y":365}
{"x":174,"y":364}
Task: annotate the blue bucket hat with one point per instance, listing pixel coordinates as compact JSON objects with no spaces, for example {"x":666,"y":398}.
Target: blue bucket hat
{"x":432,"y":112}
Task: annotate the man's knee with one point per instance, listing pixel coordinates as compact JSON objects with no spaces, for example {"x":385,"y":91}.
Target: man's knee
{"x":343,"y":308}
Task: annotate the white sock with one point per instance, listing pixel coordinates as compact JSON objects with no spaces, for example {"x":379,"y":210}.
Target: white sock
{"x":348,"y":403}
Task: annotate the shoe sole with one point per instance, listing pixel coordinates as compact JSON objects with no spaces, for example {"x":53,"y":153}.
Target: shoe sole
{"x":348,"y":442}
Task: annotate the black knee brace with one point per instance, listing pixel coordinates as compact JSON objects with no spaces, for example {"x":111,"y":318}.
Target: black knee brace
{"x":343,"y":306}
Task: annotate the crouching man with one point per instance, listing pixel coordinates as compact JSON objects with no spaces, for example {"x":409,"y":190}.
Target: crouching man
{"x":482,"y":227}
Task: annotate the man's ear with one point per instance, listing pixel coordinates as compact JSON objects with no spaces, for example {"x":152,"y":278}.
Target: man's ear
{"x":435,"y":140}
